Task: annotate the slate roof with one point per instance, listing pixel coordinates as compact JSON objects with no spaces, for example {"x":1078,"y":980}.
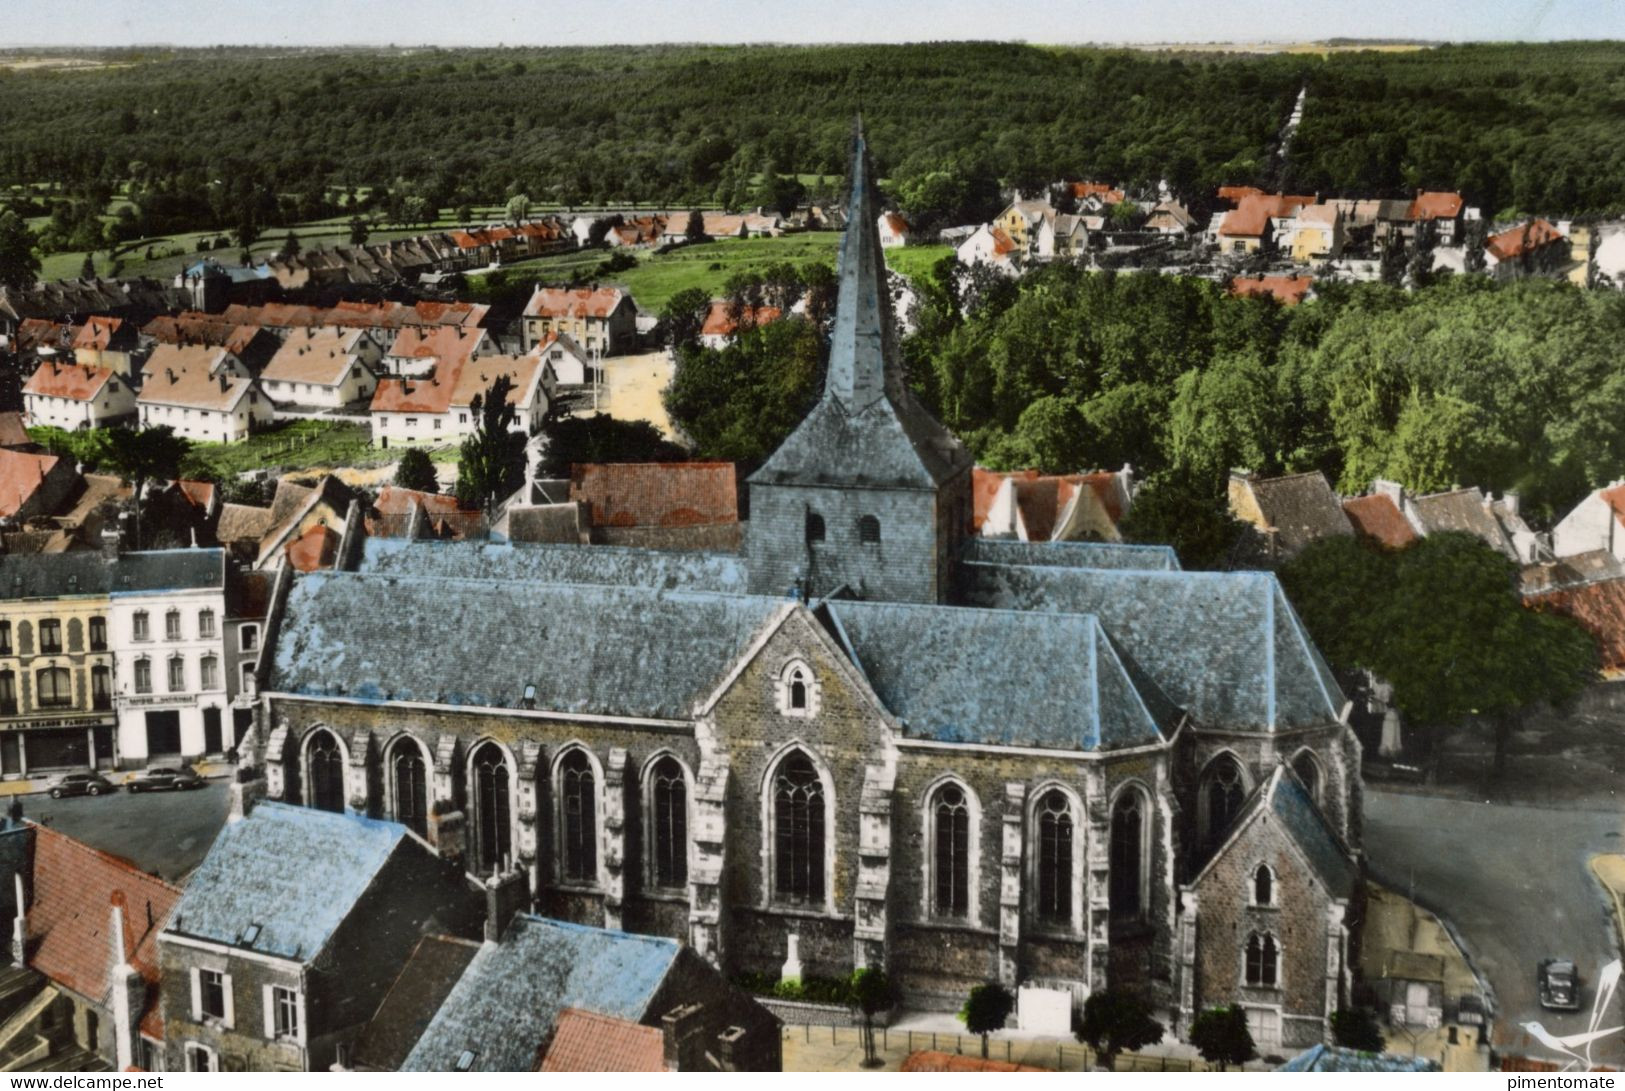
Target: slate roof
{"x":1109,"y":555}
{"x":508,"y":1001}
{"x":408,"y":1007}
{"x":610,"y":566}
{"x":1378,"y":518}
{"x":1325,"y":1058}
{"x":867,"y":429}
{"x":1226,"y":647}
{"x":169,"y":570}
{"x":1290,"y":803}
{"x":1299,"y":508}
{"x":243,"y":523}
{"x":296,"y":872}
{"x":980,"y":687}
{"x":585,"y":1041}
{"x":1463,"y":510}
{"x":45,"y":576}
{"x":626,"y":651}
{"x":656,"y":494}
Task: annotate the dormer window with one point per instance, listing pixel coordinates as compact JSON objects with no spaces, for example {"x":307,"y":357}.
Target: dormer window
{"x":797,"y":690}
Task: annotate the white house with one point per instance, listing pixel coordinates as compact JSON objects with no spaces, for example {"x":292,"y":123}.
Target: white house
{"x":1596,"y":523}
{"x":568,"y":360}
{"x":438,"y":409}
{"x":989,"y":245}
{"x":202,"y":393}
{"x":417,"y":351}
{"x":327,"y":366}
{"x":166,"y":621}
{"x":894,"y":230}
{"x":1609,"y":257}
{"x":75,"y":396}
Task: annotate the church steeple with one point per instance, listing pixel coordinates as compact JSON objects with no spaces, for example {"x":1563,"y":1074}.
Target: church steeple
{"x":863,"y":364}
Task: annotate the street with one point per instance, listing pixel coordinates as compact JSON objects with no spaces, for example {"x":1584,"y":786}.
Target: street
{"x":164,"y":832}
{"x":1514,"y":882}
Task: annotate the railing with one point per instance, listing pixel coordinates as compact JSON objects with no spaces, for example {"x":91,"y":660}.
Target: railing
{"x":1060,"y":1056}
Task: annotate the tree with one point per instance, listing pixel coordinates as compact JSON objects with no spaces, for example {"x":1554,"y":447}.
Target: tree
{"x":491,"y":462}
{"x":19,"y":265}
{"x":358,"y":231}
{"x":1356,"y":1028}
{"x":871,"y":991}
{"x":1171,"y":509}
{"x":415,"y":471}
{"x":738,"y":403}
{"x":1113,"y":1022}
{"x":290,"y":245}
{"x":695,"y":230}
{"x":601,"y":438}
{"x":464,"y":213}
{"x":1220,"y":1035}
{"x":599,"y":228}
{"x":87,"y":268}
{"x":145,"y":455}
{"x":683,"y":316}
{"x":986,"y":1010}
{"x":518,"y":208}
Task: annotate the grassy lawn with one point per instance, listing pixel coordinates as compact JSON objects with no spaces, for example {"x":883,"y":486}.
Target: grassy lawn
{"x":290,"y":445}
{"x":916,"y":261}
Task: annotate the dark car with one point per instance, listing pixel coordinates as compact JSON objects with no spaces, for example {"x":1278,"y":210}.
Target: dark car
{"x":161,"y":778}
{"x":81,"y":784}
{"x":1557,"y":984}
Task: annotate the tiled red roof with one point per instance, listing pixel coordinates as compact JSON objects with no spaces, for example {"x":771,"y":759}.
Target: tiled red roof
{"x":719,"y":321}
{"x":895,"y":223}
{"x":315,"y":548}
{"x":97,"y":332}
{"x":1378,"y":518}
{"x":1002,"y":242}
{"x":33,"y":333}
{"x":656,"y":494}
{"x":1253,"y":212}
{"x":200,"y":494}
{"x":573,"y":302}
{"x":21,"y":475}
{"x":1600,"y":608}
{"x":1523,"y":239}
{"x":357,"y":313}
{"x":80,"y":382}
{"x":1614,"y":497}
{"x":426,"y":395}
{"x":12,"y":431}
{"x":70,"y":913}
{"x":1103,"y":190}
{"x":1436,"y":206}
{"x":930,"y":1060}
{"x":1288,"y":290}
{"x":585,"y":1041}
{"x":1042,"y":498}
{"x":1236,"y":194}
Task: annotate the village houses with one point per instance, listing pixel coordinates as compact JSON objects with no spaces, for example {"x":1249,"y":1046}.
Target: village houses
{"x":75,"y":396}
{"x":602,"y":320}
{"x":202,"y":392}
{"x":325,"y":366}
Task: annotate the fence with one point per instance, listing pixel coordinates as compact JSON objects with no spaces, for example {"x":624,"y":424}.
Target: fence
{"x":1061,"y":1056}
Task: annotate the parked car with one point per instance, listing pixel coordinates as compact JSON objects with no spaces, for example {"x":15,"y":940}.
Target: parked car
{"x":160,"y":778}
{"x":81,"y":784}
{"x":1557,"y":984}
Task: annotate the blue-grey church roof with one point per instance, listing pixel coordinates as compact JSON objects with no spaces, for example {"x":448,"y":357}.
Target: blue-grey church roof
{"x":868,"y":429}
{"x":1225,"y":646}
{"x":1159,"y":558}
{"x":1000,"y":677}
{"x":612,"y":566}
{"x":504,"y":1007}
{"x":295,"y":872}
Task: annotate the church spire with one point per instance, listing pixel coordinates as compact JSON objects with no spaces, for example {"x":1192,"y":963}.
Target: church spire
{"x":862,"y":357}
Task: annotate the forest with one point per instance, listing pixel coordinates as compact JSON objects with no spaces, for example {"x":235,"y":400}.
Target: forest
{"x":235,"y":137}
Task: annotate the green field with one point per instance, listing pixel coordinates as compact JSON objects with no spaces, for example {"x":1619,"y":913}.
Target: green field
{"x":291,"y":445}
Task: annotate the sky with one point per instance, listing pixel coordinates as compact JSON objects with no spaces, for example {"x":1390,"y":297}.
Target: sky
{"x":517,"y":22}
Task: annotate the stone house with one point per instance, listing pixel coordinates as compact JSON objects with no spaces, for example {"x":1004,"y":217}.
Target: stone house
{"x":602,"y":320}
{"x":291,"y":931}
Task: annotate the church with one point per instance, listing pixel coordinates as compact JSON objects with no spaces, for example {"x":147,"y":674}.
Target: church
{"x":868,"y":739}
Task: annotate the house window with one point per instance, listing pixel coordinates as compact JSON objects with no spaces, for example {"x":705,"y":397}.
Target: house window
{"x":211,"y":994}
{"x":143,"y":675}
{"x":284,"y":1013}
{"x":101,"y":687}
{"x":210,"y":669}
{"x":462,"y":418}
{"x":950,"y":851}
{"x":177,"y":674}
{"x":411,"y":422}
{"x":324,"y":768}
{"x":1263,"y":956}
{"x":8,"y":693}
{"x":815,"y":527}
{"x":1222,"y":792}
{"x":55,"y":687}
{"x":798,"y":830}
{"x":139,"y":628}
{"x":577,"y":814}
{"x":200,"y":1058}
{"x":668,"y":799}
{"x":409,"y":784}
{"x":248,"y":638}
{"x":5,"y":638}
{"x":492,"y":829}
{"x":245,"y":681}
{"x":205,"y":624}
{"x":1055,"y":859}
{"x":1127,"y":897}
{"x":437,"y":424}
{"x":1263,"y":886}
{"x":98,"y":634}
{"x":869,"y":529}
{"x":50,"y":636}
{"x":172,"y":625}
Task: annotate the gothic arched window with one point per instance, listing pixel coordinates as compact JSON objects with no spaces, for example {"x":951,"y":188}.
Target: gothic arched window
{"x":1127,"y":897}
{"x":1055,"y":858}
{"x":324,"y":768}
{"x":409,"y":786}
{"x":1263,"y":886}
{"x":1223,"y":791}
{"x":798,"y":830}
{"x":578,"y":812}
{"x":668,"y":825}
{"x":493,"y":833}
{"x":950,"y":851}
{"x":1308,"y":770}
{"x":1263,"y":957}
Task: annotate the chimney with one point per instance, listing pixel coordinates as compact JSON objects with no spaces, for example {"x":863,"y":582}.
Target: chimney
{"x":111,"y":541}
{"x":680,"y":1033}
{"x":506,"y":893}
{"x":129,"y":997}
